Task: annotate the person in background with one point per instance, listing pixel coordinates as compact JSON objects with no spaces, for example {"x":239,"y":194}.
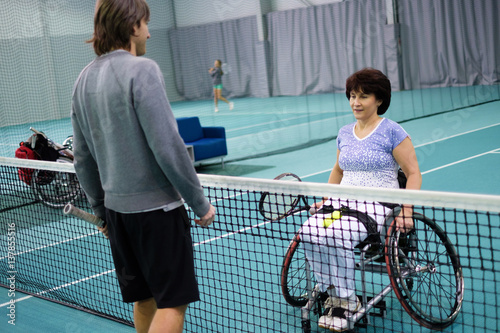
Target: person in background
{"x":369,"y":153}
{"x":135,"y":169}
{"x":216,"y":73}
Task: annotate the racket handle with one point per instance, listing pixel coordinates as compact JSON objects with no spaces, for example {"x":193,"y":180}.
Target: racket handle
{"x":69,"y":209}
{"x":313,"y":210}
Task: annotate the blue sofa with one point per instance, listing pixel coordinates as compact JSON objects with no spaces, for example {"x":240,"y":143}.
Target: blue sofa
{"x":208,"y":142}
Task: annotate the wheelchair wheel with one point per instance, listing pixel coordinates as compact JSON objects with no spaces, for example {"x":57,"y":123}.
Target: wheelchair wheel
{"x":425,"y":273}
{"x":294,"y":279}
{"x":55,"y":189}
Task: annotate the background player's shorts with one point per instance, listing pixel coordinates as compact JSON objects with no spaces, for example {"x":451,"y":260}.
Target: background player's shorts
{"x":153,"y":256}
{"x":218,"y":86}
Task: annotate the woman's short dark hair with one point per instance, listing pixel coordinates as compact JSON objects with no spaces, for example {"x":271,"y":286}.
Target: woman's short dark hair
{"x":114,"y":23}
{"x":370,"y":81}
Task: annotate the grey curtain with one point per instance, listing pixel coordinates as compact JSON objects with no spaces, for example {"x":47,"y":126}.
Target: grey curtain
{"x":313,"y":50}
{"x":450,"y":43}
{"x":235,"y":42}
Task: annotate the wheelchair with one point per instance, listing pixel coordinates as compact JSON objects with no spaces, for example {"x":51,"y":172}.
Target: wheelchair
{"x":423,"y":267}
{"x":56,"y":189}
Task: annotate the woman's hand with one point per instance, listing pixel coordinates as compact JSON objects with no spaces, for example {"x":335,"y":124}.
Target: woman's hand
{"x":316,"y":206}
{"x":404,"y":221}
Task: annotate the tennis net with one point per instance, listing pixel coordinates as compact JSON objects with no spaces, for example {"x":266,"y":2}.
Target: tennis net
{"x":251,"y":269}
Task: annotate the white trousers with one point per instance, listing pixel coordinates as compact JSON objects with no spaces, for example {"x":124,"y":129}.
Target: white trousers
{"x":330,"y":251}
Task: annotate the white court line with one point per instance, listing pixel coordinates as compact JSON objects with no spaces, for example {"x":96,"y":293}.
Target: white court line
{"x":494,"y":151}
{"x":17,"y":300}
{"x":242,"y":230}
{"x":231,"y":233}
{"x":456,"y":135}
{"x":50,"y":245}
{"x":60,"y":287}
{"x":284,"y":120}
{"x":317,"y":173}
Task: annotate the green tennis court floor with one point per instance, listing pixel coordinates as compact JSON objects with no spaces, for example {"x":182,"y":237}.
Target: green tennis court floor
{"x":458,"y":151}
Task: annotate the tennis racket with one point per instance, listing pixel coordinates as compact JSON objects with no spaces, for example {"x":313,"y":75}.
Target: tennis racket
{"x":226,"y":68}
{"x":275,"y":206}
{"x":69,"y":209}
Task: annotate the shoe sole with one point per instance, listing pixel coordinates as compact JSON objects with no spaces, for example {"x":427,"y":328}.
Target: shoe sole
{"x":332,"y":329}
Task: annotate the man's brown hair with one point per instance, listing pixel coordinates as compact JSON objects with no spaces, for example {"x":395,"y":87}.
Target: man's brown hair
{"x":114,"y":23}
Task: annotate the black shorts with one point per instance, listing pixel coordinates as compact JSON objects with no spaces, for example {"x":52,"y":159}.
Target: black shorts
{"x":153,"y":256}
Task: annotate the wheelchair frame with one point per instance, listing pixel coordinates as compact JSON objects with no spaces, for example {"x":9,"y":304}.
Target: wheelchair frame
{"x":412,"y":263}
{"x":56,"y":189}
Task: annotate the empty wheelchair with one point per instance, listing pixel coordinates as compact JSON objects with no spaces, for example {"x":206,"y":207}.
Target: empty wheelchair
{"x":53,"y":189}
{"x":423,"y":267}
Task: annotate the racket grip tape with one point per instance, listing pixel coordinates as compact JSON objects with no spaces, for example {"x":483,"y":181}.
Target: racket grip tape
{"x":69,"y":209}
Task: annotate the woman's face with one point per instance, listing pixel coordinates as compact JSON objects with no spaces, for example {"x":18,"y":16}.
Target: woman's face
{"x":364,"y":106}
{"x":217,"y":63}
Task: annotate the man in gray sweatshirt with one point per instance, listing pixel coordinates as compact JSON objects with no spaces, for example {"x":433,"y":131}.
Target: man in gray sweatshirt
{"x":135,"y":170}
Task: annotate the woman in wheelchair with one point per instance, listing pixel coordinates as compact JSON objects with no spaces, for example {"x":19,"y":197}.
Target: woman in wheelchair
{"x":369,"y":153}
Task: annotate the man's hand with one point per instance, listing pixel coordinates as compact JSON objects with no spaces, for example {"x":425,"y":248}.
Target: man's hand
{"x":104,"y":230}
{"x":207,"y":219}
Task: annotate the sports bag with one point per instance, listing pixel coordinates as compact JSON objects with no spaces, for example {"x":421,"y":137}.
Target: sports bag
{"x":25,"y":152}
{"x":36,"y":148}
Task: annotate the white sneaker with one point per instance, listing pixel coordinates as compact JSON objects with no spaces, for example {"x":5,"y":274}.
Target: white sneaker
{"x":336,"y":312}
{"x":216,"y":109}
{"x":336,"y":320}
{"x":231,"y":106}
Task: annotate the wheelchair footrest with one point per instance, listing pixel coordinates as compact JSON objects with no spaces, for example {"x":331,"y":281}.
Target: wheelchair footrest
{"x":380,"y":309}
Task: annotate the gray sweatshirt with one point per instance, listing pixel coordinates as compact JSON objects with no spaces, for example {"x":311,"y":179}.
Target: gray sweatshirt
{"x":129,"y":156}
{"x":216,"y":75}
